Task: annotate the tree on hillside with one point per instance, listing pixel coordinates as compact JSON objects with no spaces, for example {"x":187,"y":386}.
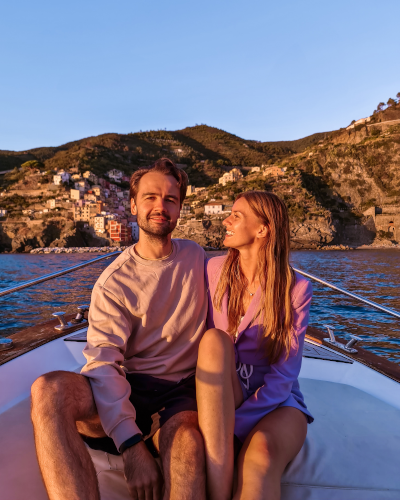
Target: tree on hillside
{"x":380,"y":107}
{"x":391,"y":102}
{"x":32,"y":164}
{"x":398,"y":96}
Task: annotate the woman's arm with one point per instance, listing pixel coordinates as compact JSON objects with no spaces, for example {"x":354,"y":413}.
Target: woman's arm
{"x":279,"y":381}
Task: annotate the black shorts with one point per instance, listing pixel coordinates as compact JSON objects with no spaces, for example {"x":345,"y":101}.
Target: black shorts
{"x":155,"y":401}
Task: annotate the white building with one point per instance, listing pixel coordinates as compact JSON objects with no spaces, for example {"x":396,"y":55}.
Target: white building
{"x":190,"y":190}
{"x":115,"y":175}
{"x":213,"y":207}
{"x":76,"y":194}
{"x":54,"y":203}
{"x":232,"y":176}
{"x":97,"y":190}
{"x":361,"y":121}
{"x":82,"y":185}
{"x":90,"y":197}
{"x":100,"y":222}
{"x":3,"y":212}
{"x":135,"y":230}
{"x":274,"y":171}
{"x":60,"y":178}
{"x":185,"y":210}
{"x":255,"y":169}
{"x":90,"y":176}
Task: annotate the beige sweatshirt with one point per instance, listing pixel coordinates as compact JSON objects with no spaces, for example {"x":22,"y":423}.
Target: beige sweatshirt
{"x":145,"y":317}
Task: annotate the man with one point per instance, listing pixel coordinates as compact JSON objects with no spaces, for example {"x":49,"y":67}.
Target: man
{"x":146,"y":319}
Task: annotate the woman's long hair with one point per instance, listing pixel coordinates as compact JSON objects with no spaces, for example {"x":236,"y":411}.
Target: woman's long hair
{"x":276,"y":278}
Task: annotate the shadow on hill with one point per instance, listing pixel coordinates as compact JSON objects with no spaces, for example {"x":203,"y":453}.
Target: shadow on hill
{"x":198,"y":147}
{"x":299,"y":145}
{"x":321,"y":190}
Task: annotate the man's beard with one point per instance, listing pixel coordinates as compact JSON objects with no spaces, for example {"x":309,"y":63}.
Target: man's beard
{"x":159,"y":233}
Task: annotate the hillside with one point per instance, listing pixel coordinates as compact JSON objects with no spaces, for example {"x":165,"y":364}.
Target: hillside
{"x":193,"y":146}
{"x":355,"y":168}
{"x":331,"y":180}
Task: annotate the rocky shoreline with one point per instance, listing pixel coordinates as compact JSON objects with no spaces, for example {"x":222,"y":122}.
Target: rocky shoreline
{"x":77,"y":250}
{"x":53,"y":250}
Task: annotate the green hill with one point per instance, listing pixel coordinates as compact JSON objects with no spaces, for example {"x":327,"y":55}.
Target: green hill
{"x":204,"y":149}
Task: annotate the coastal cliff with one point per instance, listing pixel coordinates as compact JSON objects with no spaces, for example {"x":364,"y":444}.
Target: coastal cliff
{"x":211,"y":233}
{"x":26,"y":236}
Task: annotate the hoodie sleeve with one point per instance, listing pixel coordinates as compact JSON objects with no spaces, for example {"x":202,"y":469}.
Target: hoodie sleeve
{"x":279,"y":380}
{"x":110,"y":326}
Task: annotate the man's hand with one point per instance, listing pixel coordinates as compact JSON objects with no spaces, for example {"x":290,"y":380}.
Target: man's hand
{"x":142,"y":473}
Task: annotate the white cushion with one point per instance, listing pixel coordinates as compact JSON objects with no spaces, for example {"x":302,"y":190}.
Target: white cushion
{"x":352,"y":449}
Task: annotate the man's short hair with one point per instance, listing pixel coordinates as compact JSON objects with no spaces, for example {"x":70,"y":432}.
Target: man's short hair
{"x":162,"y":166}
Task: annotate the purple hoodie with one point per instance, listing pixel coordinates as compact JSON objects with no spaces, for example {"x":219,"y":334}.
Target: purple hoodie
{"x":265,"y":386}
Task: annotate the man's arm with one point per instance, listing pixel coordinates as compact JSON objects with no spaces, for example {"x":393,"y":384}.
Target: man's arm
{"x":110,"y":327}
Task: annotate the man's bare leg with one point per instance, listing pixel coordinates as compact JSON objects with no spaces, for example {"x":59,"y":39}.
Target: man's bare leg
{"x":181,"y":449}
{"x":62,"y":403}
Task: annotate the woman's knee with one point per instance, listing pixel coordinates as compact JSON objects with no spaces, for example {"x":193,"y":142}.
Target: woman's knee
{"x":215,"y":341}
{"x":262,"y":451}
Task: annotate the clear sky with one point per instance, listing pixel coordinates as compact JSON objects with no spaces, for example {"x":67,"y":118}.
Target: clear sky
{"x":261,"y":69}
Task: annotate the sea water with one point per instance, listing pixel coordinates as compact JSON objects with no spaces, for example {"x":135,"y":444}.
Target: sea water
{"x":374,"y":274}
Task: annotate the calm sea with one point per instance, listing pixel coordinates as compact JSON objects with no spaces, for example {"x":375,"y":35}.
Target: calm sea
{"x":374,"y":274}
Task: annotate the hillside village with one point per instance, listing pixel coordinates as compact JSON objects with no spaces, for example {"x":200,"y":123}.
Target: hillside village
{"x":99,"y":206}
{"x":341,"y":188}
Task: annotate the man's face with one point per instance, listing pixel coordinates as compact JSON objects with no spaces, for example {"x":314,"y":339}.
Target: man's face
{"x":157,"y":204}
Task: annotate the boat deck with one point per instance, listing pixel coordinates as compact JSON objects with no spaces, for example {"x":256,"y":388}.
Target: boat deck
{"x":327,"y":468}
{"x":351,"y":450}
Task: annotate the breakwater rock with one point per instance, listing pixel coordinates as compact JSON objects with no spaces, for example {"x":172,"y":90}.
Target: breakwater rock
{"x":312,"y":233}
{"x":78,"y":250}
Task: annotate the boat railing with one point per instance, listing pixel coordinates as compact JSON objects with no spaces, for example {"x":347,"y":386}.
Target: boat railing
{"x":46,"y":277}
{"x":387,"y":310}
{"x":71,"y":269}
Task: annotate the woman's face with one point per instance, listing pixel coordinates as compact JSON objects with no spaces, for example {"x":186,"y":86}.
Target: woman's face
{"x":243,"y":227}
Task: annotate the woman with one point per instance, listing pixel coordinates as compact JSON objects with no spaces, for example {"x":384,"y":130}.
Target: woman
{"x":250,"y":358}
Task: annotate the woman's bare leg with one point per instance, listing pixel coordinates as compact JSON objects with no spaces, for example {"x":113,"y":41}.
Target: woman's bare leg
{"x":218,"y":394}
{"x":270,"y":446}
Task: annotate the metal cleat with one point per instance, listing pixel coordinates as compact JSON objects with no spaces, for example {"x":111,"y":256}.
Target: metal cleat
{"x":6,"y":344}
{"x":80,"y":317}
{"x":64,"y":325}
{"x":347,"y":347}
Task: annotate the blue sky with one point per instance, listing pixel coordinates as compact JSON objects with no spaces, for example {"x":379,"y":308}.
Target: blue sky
{"x":260,"y":69}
